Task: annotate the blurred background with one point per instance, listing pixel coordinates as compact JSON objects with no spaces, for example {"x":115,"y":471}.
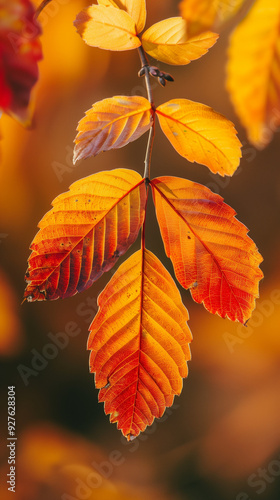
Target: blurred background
{"x":221,"y":438}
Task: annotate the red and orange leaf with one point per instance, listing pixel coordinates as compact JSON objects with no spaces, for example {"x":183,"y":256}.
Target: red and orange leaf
{"x":112,"y":123}
{"x":200,"y":134}
{"x":107,"y":28}
{"x":135,"y":8}
{"x":139,"y":343}
{"x":20,"y":51}
{"x":84,"y":234}
{"x":209,"y":248}
{"x":204,"y":14}
{"x":168,"y":42}
{"x":254,"y":71}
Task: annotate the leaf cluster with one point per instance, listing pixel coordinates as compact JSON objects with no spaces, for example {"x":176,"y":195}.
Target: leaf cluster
{"x":139,"y":339}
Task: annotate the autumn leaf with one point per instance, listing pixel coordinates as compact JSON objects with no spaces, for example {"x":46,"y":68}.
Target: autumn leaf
{"x":112,"y":123}
{"x":209,"y":248}
{"x":254,"y":71}
{"x":204,"y":14}
{"x":84,"y":234}
{"x":168,"y":42}
{"x":135,"y":8}
{"x":107,"y":28}
{"x":200,"y":134}
{"x":20,"y":51}
{"x":139,"y":343}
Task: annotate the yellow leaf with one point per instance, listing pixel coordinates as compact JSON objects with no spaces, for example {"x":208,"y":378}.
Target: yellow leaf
{"x":139,"y":342}
{"x":135,"y":8}
{"x":107,"y":28}
{"x":254,"y":71}
{"x":204,"y":14}
{"x":168,"y":42}
{"x":112,"y":123}
{"x":200,"y":134}
{"x":20,"y":52}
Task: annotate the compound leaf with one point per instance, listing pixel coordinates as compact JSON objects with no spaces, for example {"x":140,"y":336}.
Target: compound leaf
{"x":209,"y":248}
{"x":200,"y":134}
{"x":84,"y":234}
{"x":254,"y":71}
{"x":168,"y":42}
{"x":107,"y":28}
{"x":139,"y":343}
{"x":112,"y":123}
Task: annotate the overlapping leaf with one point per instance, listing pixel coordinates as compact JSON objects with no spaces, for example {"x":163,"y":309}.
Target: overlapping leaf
{"x":210,"y":249}
{"x":112,"y":123}
{"x":135,"y":8}
{"x":139,"y":343}
{"x":41,"y":7}
{"x":198,"y":133}
{"x":84,"y":234}
{"x":168,"y":42}
{"x":20,"y":51}
{"x":107,"y":28}
{"x":254,"y":71}
{"x":204,"y":14}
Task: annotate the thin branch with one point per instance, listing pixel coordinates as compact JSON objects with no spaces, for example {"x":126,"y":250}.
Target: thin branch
{"x":149,"y":150}
{"x":146,"y":67}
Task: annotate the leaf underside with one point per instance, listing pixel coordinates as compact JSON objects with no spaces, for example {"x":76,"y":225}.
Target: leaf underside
{"x":139,"y":342}
{"x":108,"y":28}
{"x":112,"y":123}
{"x":84,"y":234}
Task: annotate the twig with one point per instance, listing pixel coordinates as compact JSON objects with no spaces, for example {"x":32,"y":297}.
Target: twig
{"x":146,"y":68}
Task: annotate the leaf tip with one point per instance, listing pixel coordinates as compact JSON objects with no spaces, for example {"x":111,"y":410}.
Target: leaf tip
{"x":75,"y":156}
{"x":130,"y":437}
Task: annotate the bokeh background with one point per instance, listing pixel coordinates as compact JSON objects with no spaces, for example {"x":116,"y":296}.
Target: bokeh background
{"x":221,"y":438}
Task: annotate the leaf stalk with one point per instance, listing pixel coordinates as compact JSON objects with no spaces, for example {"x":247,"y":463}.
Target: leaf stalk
{"x":149,"y":149}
